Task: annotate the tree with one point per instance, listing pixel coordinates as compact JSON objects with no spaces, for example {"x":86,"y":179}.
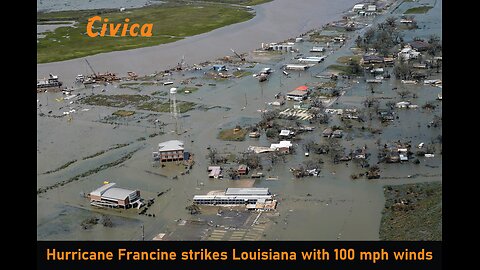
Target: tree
{"x":403,"y":94}
{"x":391,"y":22}
{"x":359,"y":42}
{"x":368,"y":37}
{"x":435,"y":45}
{"x":403,"y":70}
{"x":212,"y":155}
{"x":371,"y":102}
{"x":354,"y":67}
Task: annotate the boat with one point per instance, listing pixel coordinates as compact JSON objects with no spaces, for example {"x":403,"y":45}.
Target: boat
{"x":254,"y":134}
{"x":52,"y":81}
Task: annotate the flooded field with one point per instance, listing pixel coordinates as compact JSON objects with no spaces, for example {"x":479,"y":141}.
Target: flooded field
{"x":82,"y":142}
{"x":274,"y":21}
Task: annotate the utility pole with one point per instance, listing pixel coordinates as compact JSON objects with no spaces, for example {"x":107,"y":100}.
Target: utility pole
{"x":143,"y":232}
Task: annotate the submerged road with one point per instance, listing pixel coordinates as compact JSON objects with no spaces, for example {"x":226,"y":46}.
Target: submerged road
{"x":274,"y":21}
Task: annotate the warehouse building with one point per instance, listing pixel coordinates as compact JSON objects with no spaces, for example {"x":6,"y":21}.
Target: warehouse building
{"x":110,"y":196}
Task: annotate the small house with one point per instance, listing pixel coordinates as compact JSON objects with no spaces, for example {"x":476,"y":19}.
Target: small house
{"x":242,"y":169}
{"x":282,"y":146}
{"x":408,"y":53}
{"x":360,"y":153}
{"x":371,"y":8}
{"x":420,"y":45}
{"x":327,"y":132}
{"x":215,"y":172}
{"x":286,"y":133}
{"x":317,"y":49}
{"x":337,"y":133}
{"x":358,"y":7}
{"x":371,"y":59}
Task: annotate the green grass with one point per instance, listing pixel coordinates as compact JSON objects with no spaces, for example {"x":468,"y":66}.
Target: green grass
{"x":53,"y":22}
{"x":189,"y":89}
{"x":115,"y":100}
{"x":346,"y":59}
{"x":420,"y":219}
{"x":159,"y":93}
{"x":239,"y":2}
{"x":170,"y":23}
{"x":64,"y":166}
{"x":343,"y":69}
{"x":231,"y":135}
{"x":241,"y":73}
{"x":124,"y":113}
{"x":418,"y":10}
{"x":160,"y":106}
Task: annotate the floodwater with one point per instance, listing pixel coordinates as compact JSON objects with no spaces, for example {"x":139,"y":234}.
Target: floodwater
{"x":274,"y":21}
{"x":328,"y":207}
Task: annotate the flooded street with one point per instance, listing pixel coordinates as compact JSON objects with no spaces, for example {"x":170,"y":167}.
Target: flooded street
{"x":75,"y":139}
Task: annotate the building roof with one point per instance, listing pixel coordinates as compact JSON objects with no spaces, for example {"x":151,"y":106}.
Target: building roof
{"x":117,"y":193}
{"x":338,"y":131}
{"x":302,"y":88}
{"x":358,"y":6}
{"x":281,"y":144}
{"x":242,"y":167}
{"x":327,"y":130}
{"x":372,"y":57}
{"x":99,"y":191}
{"x":285,"y":132}
{"x":110,"y":191}
{"x":171,"y":145}
{"x":246,"y":191}
{"x":419,"y":45}
{"x":297,"y":93}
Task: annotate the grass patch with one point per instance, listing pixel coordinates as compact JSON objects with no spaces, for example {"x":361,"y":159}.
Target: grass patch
{"x":123,"y":113}
{"x":418,"y":10}
{"x":347,"y":70}
{"x":53,"y":22}
{"x":87,"y":173}
{"x":159,"y":93}
{"x":187,"y":90}
{"x":136,"y":85}
{"x":170,"y":23}
{"x":64,"y":166}
{"x":115,"y":100}
{"x":232,"y":135}
{"x":419,"y":218}
{"x":160,"y":106}
{"x":346,"y":59}
{"x":241,"y":73}
{"x":104,"y":151}
{"x":327,"y":85}
{"x":239,"y":2}
{"x":317,"y":37}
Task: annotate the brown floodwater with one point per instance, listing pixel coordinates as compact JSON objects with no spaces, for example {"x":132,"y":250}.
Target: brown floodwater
{"x":328,"y":207}
{"x":274,"y":21}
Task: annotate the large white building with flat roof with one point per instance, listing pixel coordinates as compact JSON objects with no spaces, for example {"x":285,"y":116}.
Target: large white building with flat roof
{"x":252,"y":198}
